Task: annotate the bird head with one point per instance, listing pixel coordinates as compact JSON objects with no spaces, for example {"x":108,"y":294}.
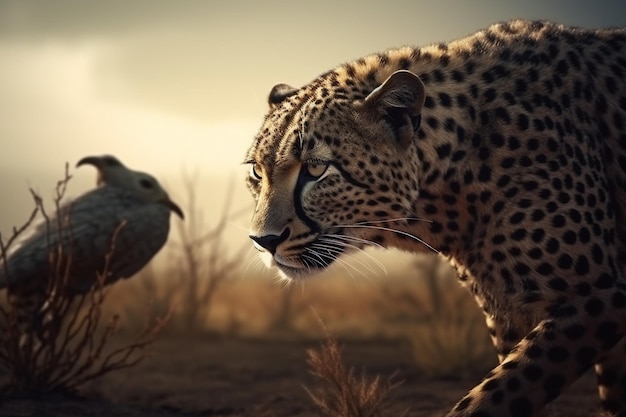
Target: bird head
{"x":112,"y":173}
{"x":110,"y":170}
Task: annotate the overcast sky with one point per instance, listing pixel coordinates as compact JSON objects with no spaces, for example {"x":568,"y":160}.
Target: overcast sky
{"x":173,"y":86}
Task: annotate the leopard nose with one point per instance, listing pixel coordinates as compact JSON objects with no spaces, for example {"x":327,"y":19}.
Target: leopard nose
{"x":271,"y":242}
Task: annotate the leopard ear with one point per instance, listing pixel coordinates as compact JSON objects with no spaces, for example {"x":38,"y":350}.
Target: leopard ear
{"x":398,"y":101}
{"x":279,"y":93}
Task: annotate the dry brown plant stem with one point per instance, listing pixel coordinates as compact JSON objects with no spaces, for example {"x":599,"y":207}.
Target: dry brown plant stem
{"x":342,"y":394}
{"x":203,"y":261}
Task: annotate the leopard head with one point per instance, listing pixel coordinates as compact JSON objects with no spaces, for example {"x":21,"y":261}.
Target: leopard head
{"x":332,"y":164}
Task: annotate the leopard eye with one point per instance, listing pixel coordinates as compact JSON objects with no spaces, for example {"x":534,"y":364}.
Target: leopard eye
{"x":254,"y":173}
{"x":316,"y":169}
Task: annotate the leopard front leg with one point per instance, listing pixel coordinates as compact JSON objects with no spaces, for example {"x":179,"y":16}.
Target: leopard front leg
{"x":548,"y":359}
{"x":505,"y":335}
{"x":611,"y":373}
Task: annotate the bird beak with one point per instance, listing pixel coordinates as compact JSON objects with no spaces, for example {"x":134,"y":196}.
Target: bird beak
{"x":90,"y":160}
{"x":174,"y":207}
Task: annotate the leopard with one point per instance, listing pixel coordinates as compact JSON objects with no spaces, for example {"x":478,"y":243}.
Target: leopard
{"x":505,"y":153}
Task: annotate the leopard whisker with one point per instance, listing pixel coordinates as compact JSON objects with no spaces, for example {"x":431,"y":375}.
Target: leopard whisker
{"x":343,"y":240}
{"x":332,"y":239}
{"x":367,"y":266}
{"x":398,"y":219}
{"x":253,"y":263}
{"x":355,"y":239}
{"x":322,"y":257}
{"x":330,"y":252}
{"x":349,"y":267}
{"x":391,"y":230}
{"x":307,"y":260}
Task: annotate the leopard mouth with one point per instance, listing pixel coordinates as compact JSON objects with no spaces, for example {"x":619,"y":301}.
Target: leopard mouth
{"x":315,"y":257}
{"x":295,"y":273}
{"x":305,"y":268}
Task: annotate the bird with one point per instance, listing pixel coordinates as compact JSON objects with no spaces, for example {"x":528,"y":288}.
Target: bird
{"x":106,"y":234}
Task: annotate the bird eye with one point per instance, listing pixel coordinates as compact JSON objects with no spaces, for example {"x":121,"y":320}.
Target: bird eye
{"x":316,"y":169}
{"x":147,"y":184}
{"x":254,"y":172}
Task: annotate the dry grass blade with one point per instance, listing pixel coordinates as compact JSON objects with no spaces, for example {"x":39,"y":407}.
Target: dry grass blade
{"x":69,"y":346}
{"x":342,"y":394}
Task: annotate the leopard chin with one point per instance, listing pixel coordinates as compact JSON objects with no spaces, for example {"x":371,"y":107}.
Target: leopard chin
{"x":314,"y":259}
{"x":290,"y":271}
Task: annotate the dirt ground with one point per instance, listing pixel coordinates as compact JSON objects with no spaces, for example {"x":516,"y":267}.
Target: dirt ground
{"x":252,"y":377}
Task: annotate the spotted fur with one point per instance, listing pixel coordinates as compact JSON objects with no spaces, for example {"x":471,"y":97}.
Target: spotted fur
{"x":511,"y":143}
